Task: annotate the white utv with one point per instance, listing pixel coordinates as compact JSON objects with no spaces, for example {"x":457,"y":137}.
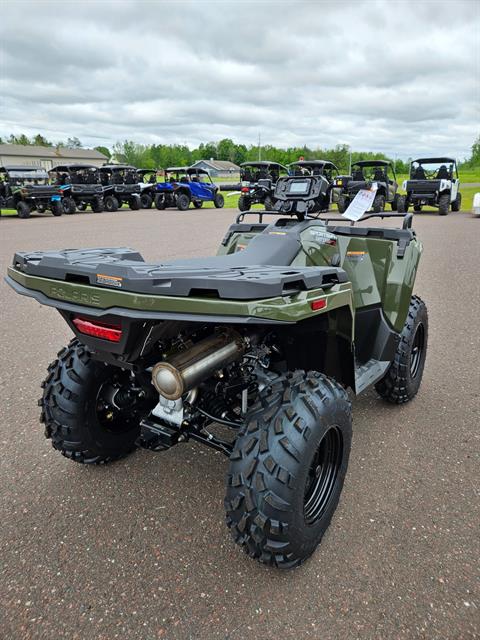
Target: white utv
{"x":433,"y":182}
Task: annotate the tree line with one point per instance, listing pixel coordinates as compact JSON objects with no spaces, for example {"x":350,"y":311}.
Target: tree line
{"x":169,"y":155}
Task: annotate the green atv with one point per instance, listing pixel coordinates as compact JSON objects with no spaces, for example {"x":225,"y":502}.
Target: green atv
{"x":250,"y":352}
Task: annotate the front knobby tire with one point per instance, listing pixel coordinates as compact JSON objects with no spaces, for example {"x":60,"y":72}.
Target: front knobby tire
{"x":402,"y":380}
{"x":80,"y":417}
{"x":287,"y":468}
{"x":444,"y":204}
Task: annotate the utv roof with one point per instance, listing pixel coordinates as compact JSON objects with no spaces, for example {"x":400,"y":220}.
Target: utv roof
{"x":74,"y":166}
{"x":146,"y":170}
{"x":371,"y":163}
{"x":263,"y":163}
{"x":113,"y":167}
{"x":312,"y":163}
{"x":434,"y":160}
{"x":20,"y":167}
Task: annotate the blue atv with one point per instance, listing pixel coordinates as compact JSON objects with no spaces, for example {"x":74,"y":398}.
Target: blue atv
{"x":183,"y":185}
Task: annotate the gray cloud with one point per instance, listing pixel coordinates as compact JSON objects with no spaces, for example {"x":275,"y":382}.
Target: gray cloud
{"x":398,"y":77}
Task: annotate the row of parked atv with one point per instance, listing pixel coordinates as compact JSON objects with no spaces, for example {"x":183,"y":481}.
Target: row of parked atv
{"x":433,"y":182}
{"x":72,"y":187}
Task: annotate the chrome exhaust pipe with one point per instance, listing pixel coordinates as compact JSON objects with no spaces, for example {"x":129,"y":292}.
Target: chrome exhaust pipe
{"x":186,"y":369}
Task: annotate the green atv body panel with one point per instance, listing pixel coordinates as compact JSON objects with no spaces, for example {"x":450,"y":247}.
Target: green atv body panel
{"x":377,"y":274}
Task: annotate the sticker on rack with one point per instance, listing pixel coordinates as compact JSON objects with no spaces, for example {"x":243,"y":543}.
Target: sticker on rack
{"x":110,"y":281}
{"x":357,"y":256}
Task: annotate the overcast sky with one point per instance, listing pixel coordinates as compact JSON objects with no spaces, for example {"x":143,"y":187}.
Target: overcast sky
{"x":398,"y":77}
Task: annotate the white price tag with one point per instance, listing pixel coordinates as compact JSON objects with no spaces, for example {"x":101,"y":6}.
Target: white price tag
{"x":361,"y":203}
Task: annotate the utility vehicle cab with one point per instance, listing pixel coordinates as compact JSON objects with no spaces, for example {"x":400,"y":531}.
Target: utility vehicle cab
{"x":182,"y":185}
{"x":327,"y":171}
{"x":81,"y":186}
{"x":258,"y":181}
{"x":26,"y":189}
{"x":124,"y":182}
{"x":433,"y":182}
{"x":363,"y":174}
{"x":147,"y":184}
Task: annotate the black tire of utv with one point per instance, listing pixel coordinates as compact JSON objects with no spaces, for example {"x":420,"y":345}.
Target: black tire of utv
{"x":97,"y":207}
{"x":269,"y":204}
{"x":23,"y":210}
{"x":110,"y":204}
{"x":160,"y":202}
{"x":146,"y":201}
{"x":342,"y":204}
{"x":270,"y":464}
{"x":444,"y":204}
{"x":379,"y":204}
{"x":244,"y":203}
{"x":69,"y":409}
{"x":219,"y":201}
{"x":57,"y":208}
{"x":399,"y":385}
{"x":135,"y":203}
{"x":402,"y":204}
{"x":394,"y":203}
{"x":183,"y":202}
{"x":457,"y":203}
{"x":417,"y":207}
{"x":69,"y":206}
{"x":198,"y":204}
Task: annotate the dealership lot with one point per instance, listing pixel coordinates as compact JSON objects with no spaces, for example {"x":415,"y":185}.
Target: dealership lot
{"x":138,"y":549}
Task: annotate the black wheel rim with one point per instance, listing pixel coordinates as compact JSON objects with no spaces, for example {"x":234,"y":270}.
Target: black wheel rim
{"x":418,"y":346}
{"x":322,"y":475}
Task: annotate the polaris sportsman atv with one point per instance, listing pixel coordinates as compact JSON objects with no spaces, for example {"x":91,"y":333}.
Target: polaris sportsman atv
{"x":81,"y":187}
{"x":26,"y":189}
{"x":364,"y":173}
{"x":258,"y":180}
{"x":250,"y":352}
{"x":433,"y":182}
{"x":329,"y":172}
{"x":124,"y":182}
{"x":183,"y":185}
{"x":147,"y":183}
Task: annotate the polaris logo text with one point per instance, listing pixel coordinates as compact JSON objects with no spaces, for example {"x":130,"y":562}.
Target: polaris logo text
{"x":75,"y":296}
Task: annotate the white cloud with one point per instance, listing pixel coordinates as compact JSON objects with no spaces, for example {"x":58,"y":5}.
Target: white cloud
{"x":397,"y":77}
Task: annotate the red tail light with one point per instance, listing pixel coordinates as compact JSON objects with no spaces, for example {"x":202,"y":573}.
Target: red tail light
{"x":245,"y":189}
{"x":110,"y":332}
{"x":316,"y":305}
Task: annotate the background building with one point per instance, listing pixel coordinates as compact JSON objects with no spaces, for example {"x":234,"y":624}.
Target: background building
{"x":218,"y":168}
{"x":47,"y":157}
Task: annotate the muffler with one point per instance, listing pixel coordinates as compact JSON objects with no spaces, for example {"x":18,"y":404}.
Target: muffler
{"x":186,"y":369}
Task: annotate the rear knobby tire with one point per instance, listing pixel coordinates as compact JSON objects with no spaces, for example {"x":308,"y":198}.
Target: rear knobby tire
{"x":219,"y":201}
{"x":71,"y":410}
{"x":342,"y":204}
{"x":379,"y":203}
{"x":146,"y":201}
{"x":277,"y":472}
{"x":444,"y":204}
{"x":403,"y":378}
{"x":457,"y":203}
{"x":57,"y":208}
{"x":111,"y":204}
{"x":402,"y":204}
{"x":269,"y":203}
{"x":135,"y":203}
{"x":69,"y":206}
{"x":183,"y":202}
{"x":244,"y":203}
{"x":23,"y":210}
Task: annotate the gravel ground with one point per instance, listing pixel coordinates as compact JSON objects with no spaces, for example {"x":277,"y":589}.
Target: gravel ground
{"x":139,"y":549}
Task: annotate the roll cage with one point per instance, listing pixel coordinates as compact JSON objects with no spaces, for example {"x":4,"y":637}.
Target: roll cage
{"x":434,"y":169}
{"x":21,"y":175}
{"x":373,"y":171}
{"x":262,"y":170}
{"x":76,"y":174}
{"x":314,"y":168}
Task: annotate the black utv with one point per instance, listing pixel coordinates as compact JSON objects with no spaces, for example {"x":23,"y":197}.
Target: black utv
{"x":328,"y":171}
{"x":147,"y":183}
{"x":124,"y":180}
{"x":258,"y":180}
{"x":26,"y":189}
{"x":364,"y":174}
{"x":433,"y":182}
{"x":81,"y":187}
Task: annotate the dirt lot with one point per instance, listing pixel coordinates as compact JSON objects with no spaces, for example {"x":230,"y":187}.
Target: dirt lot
{"x":139,"y":549}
